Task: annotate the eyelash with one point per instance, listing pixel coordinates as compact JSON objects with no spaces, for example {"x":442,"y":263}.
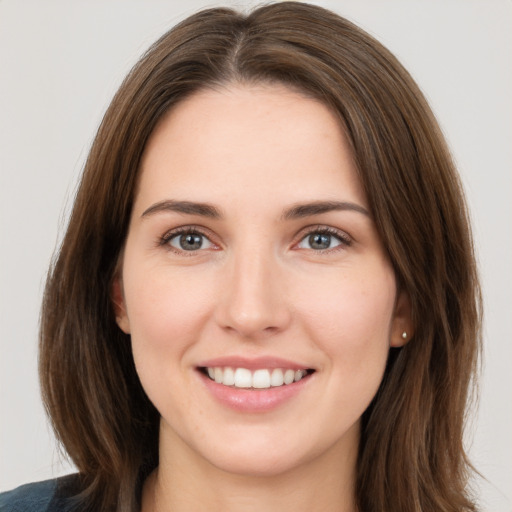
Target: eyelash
{"x":345,"y":240}
{"x":165,"y":240}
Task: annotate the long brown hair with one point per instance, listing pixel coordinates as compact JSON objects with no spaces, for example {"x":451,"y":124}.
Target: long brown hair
{"x":411,"y":453}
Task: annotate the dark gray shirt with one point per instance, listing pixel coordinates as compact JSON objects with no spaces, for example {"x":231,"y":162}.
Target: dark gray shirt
{"x":47,"y":496}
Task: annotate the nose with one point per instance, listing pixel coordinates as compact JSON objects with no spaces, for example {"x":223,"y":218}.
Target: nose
{"x":253,"y":302}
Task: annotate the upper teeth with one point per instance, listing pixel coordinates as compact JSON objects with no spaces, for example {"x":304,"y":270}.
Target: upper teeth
{"x":260,"y":379}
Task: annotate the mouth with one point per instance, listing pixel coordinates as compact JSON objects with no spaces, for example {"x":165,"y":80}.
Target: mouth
{"x":262,"y":378}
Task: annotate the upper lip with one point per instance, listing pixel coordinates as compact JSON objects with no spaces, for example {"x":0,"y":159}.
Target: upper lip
{"x":256,"y":363}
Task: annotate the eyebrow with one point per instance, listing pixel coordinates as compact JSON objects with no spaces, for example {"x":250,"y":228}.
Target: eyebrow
{"x":187,"y":207}
{"x":318,"y":207}
{"x":295,"y":212}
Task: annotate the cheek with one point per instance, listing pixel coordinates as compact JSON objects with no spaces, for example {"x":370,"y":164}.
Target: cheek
{"x":166,"y":312}
{"x":351,"y":320}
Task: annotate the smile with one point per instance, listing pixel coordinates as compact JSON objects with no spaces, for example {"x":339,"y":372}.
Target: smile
{"x":257,"y":379}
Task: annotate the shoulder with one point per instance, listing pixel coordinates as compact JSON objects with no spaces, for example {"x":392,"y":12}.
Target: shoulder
{"x":35,"y":497}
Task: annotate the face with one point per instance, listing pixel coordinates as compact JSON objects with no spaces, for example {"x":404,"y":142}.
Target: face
{"x":259,"y":299}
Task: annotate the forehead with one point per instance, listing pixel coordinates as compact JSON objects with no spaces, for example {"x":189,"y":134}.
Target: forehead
{"x":242,"y":141}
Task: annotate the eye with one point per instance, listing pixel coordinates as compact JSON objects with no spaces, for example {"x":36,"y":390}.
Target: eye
{"x":188,"y":240}
{"x":323,"y":239}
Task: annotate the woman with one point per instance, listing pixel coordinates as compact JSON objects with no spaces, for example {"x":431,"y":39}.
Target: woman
{"x":267,"y":293}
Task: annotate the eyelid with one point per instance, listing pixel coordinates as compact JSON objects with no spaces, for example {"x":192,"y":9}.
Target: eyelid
{"x":185,"y":230}
{"x":345,"y":239}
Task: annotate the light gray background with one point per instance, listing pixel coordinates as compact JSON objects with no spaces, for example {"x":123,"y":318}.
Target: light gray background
{"x":60,"y":63}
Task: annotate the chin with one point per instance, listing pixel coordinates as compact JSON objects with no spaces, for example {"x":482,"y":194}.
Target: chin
{"x":259,"y":456}
{"x":257,"y":465}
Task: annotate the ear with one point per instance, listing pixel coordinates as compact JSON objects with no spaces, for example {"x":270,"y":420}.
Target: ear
{"x":402,"y":328}
{"x":117,"y":296}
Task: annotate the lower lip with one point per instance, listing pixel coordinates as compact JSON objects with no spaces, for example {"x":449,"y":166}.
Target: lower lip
{"x":254,"y":400}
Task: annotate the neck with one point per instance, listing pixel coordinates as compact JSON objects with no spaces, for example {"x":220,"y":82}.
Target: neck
{"x":327,"y":483}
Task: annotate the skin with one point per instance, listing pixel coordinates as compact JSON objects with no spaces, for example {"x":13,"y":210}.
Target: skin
{"x":256,"y":287}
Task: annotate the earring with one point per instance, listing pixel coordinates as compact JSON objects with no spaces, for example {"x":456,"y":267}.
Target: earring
{"x":404,"y":335}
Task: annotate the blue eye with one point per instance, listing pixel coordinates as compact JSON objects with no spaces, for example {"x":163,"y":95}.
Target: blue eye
{"x":189,"y":241}
{"x":322,"y":240}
